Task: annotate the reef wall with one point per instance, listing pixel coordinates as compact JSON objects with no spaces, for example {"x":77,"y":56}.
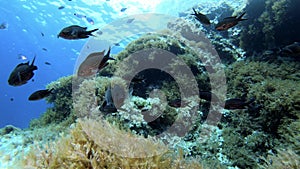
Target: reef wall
{"x":271,"y":24}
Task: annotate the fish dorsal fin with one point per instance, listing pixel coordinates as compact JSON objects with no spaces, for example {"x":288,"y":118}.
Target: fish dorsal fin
{"x":240,"y":17}
{"x":108,"y":53}
{"x":32,"y":64}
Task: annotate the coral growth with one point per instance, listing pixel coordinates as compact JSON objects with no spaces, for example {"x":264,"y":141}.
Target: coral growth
{"x":273,"y":86}
{"x":266,"y":21}
{"x":266,"y":124}
{"x":285,"y":159}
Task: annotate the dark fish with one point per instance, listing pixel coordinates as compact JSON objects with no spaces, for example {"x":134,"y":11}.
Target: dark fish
{"x":75,"y":32}
{"x":232,"y":104}
{"x":229,"y":22}
{"x":40,"y":94}
{"x":291,"y":50}
{"x":116,"y":44}
{"x":177,"y":103}
{"x":94,"y":63}
{"x":208,"y":96}
{"x":11,"y":99}
{"x":130,"y":20}
{"x":108,"y":104}
{"x":22,"y":73}
{"x":47,"y":63}
{"x":42,"y":34}
{"x":61,"y":7}
{"x":3,"y":25}
{"x":123,"y":9}
{"x":201,"y":17}
{"x":44,"y":49}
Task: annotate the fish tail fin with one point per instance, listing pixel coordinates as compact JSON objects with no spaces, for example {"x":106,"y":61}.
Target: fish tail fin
{"x":33,"y":60}
{"x":194,"y":11}
{"x":51,"y":90}
{"x":240,"y":17}
{"x":108,"y":53}
{"x":91,"y":31}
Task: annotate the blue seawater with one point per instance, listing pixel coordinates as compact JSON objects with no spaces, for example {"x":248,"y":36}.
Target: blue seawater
{"x":32,"y":30}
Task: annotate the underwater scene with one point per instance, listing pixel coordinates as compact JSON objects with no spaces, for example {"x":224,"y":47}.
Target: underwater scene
{"x":160,"y":84}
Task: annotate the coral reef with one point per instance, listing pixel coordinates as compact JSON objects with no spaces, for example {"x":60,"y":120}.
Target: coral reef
{"x":269,"y":85}
{"x":264,"y":126}
{"x":16,"y":144}
{"x":284,"y":159}
{"x":266,"y":23}
{"x":241,"y":139}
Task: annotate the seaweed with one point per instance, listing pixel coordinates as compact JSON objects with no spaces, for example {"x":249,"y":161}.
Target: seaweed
{"x":98,"y":144}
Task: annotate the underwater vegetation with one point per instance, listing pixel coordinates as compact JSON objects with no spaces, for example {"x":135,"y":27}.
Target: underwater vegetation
{"x":97,"y":144}
{"x":243,"y":138}
{"x":276,"y":93}
{"x":267,"y":19}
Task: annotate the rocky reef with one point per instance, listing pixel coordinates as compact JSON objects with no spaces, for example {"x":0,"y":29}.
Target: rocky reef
{"x":267,"y":20}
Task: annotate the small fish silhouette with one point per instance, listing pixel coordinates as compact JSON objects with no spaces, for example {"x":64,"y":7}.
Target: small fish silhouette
{"x":75,"y":32}
{"x":40,"y":94}
{"x":90,"y":20}
{"x":232,"y":104}
{"x":123,"y":9}
{"x":47,"y":63}
{"x":229,"y":22}
{"x":108,"y":105}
